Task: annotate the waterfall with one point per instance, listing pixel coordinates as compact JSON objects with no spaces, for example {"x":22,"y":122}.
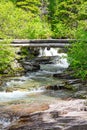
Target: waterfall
{"x":48,"y":52}
{"x":60,"y":60}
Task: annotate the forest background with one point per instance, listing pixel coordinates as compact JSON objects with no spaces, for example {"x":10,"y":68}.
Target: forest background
{"x":44,"y":19}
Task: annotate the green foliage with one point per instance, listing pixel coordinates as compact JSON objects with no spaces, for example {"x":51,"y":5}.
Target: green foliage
{"x":26,"y":52}
{"x":62,"y":31}
{"x":78,"y":52}
{"x":38,"y":29}
{"x":27,"y":19}
{"x":6,"y":55}
{"x":29,"y":5}
{"x":17,"y":23}
{"x":20,"y":24}
{"x":64,"y":16}
{"x":82,"y":15}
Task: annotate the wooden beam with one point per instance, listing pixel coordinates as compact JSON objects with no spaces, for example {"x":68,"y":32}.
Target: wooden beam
{"x":62,"y":45}
{"x":43,"y":41}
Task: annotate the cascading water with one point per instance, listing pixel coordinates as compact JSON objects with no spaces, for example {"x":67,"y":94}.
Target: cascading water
{"x":20,"y":87}
{"x":59,"y":60}
{"x":31,"y":87}
{"x":19,"y":95}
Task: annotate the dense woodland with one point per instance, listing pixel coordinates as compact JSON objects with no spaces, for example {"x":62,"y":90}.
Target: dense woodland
{"x":44,"y":19}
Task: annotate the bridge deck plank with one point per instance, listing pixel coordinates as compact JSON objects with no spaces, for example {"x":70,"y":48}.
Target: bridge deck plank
{"x":42,"y":42}
{"x":42,"y":45}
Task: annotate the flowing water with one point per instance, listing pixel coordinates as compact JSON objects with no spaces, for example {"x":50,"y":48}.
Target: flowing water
{"x":34,"y":82}
{"x":30,"y":88}
{"x":20,"y":96}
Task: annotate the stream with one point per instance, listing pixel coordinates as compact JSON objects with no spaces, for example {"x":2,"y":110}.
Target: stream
{"x":31,"y":88}
{"x":18,"y":88}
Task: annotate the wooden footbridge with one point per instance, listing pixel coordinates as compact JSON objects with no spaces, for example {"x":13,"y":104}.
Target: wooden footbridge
{"x":61,"y":43}
{"x":43,"y":42}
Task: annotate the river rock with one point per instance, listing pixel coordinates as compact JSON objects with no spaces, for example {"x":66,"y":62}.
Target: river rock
{"x":55,"y":87}
{"x":70,"y":85}
{"x":73,"y":81}
{"x":76,"y":126}
{"x":46,"y":121}
{"x":64,"y":115}
{"x":63,"y":76}
{"x":24,"y":109}
{"x":0,"y":81}
{"x":45,"y":59}
{"x":11,"y":113}
{"x":30,"y":66}
{"x":81,"y":94}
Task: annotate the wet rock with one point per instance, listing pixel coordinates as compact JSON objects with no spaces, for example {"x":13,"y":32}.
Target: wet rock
{"x":45,"y":59}
{"x":0,"y":82}
{"x":55,"y":87}
{"x":74,"y":84}
{"x":82,"y":126}
{"x":54,"y":114}
{"x":9,"y":115}
{"x":24,"y":109}
{"x":81,"y":94}
{"x":6,"y":119}
{"x":73,"y":87}
{"x":55,"y":118}
{"x":70,"y":82}
{"x":66,"y":84}
{"x":64,"y":76}
{"x":84,"y":108}
{"x":36,"y":122}
{"x":73,"y":81}
{"x":31,"y":66}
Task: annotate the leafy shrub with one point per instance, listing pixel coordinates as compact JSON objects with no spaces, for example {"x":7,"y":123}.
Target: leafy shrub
{"x":17,"y":23}
{"x":38,"y":29}
{"x":13,"y":21}
{"x":6,"y":55}
{"x":78,"y":52}
{"x":63,"y":31}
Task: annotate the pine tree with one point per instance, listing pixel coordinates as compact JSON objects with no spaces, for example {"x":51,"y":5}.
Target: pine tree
{"x":29,"y":5}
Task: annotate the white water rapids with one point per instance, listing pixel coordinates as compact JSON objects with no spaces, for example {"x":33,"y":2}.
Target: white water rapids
{"x":20,"y":95}
{"x":20,"y":88}
{"x":59,"y":62}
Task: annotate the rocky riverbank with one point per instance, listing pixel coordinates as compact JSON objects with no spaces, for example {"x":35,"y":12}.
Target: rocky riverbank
{"x":66,"y":113}
{"x":62,"y":115}
{"x":70,"y":82}
{"x":61,"y":106}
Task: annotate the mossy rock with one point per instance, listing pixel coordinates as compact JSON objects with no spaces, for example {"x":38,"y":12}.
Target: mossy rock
{"x":71,"y":87}
{"x":81,"y":95}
